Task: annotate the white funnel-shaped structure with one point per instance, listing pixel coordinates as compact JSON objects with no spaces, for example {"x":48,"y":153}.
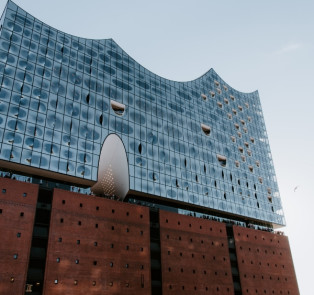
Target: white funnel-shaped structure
{"x":113,"y":169}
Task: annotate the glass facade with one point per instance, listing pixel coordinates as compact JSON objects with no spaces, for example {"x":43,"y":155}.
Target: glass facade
{"x":199,"y":142}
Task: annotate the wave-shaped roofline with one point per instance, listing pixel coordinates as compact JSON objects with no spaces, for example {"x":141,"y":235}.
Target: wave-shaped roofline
{"x":211,"y":70}
{"x":184,"y":82}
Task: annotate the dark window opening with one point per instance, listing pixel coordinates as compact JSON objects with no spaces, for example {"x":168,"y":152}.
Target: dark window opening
{"x":206,"y":129}
{"x":117,"y":107}
{"x":222,"y":160}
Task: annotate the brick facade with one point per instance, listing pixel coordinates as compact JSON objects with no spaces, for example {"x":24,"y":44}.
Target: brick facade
{"x":17,"y":214}
{"x":265,"y":262}
{"x":194,"y":256}
{"x":97,"y":245}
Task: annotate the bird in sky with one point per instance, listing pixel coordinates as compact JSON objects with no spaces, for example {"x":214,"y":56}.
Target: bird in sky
{"x":296,"y":188}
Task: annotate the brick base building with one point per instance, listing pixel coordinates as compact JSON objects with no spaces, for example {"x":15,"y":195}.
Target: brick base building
{"x":60,"y":242}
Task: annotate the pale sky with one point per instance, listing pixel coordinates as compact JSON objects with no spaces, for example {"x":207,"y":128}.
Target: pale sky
{"x":265,"y":45}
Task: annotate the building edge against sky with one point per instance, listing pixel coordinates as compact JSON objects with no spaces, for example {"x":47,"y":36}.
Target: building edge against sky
{"x":198,"y":142}
{"x":83,"y":116}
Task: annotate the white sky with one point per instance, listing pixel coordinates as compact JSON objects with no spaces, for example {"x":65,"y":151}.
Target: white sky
{"x":265,"y":45}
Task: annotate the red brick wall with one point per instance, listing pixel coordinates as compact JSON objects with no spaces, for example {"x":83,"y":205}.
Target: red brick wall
{"x":194,"y":251}
{"x":265,"y":262}
{"x":122,"y":234}
{"x":194,"y":256}
{"x":17,"y":213}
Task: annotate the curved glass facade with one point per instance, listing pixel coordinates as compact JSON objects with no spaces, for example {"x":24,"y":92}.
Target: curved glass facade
{"x":199,"y":142}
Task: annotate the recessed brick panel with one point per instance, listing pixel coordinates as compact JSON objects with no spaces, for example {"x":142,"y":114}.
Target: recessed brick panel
{"x":17,"y":213}
{"x":265,"y":262}
{"x":194,"y":256}
{"x":97,"y":246}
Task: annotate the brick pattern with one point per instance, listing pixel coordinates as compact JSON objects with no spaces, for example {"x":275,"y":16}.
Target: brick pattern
{"x":97,"y":246}
{"x":265,"y":262}
{"x":101,"y":246}
{"x":194,"y":256}
{"x":17,"y":213}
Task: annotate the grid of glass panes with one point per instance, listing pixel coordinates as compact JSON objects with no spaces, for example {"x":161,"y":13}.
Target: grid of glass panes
{"x":55,"y":114}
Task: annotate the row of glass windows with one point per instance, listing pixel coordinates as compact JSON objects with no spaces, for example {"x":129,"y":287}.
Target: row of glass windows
{"x":70,"y":152}
{"x":18,"y":125}
{"x":98,"y":47}
{"x":196,"y":188}
{"x":204,"y":186}
{"x":70,"y":125}
{"x":86,"y":97}
{"x":62,"y":105}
